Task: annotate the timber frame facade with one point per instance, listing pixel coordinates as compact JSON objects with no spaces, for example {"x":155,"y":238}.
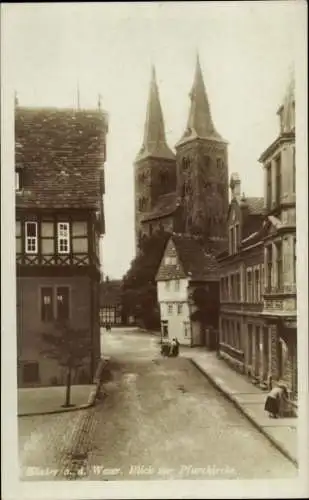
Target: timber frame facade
{"x":59,"y":223}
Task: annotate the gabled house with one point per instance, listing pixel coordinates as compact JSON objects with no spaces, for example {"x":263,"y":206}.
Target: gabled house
{"x":188,"y":292}
{"x":243,"y":342}
{"x":59,"y":171}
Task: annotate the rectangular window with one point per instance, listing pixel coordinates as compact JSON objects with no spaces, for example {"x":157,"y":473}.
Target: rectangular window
{"x":294,"y":172}
{"x":17,"y":181}
{"x":170,"y":309}
{"x":250,"y":343}
{"x":269,"y":267}
{"x":236,"y":238}
{"x":238,"y":294}
{"x":231,"y":243}
{"x":31,"y":230}
{"x":294,"y":261}
{"x":63,"y":237}
{"x":186,"y":328}
{"x":268,"y":185}
{"x":249,"y":286}
{"x":233,"y":287}
{"x":177,"y":285}
{"x":279,"y":265}
{"x":262,"y":284}
{"x":167,"y":285}
{"x":222,"y":288}
{"x":179,"y":308}
{"x":278,"y":179}
{"x":47,"y":307}
{"x":30,"y":372}
{"x":63,"y":303}
{"x":257,"y":292}
{"x":238,"y":336}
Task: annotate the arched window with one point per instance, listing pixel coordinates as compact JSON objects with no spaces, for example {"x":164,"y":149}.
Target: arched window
{"x":185,"y":163}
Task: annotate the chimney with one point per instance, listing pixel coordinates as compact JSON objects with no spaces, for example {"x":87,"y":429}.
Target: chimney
{"x":235,"y":186}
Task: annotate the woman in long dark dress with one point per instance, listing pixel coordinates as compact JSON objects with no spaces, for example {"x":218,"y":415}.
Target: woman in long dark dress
{"x":274,"y":400}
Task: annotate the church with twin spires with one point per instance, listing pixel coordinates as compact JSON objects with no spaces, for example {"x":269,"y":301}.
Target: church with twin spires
{"x":185,"y":191}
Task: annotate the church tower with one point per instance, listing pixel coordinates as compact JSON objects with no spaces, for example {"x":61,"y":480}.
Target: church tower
{"x":155,"y":164}
{"x":202,"y":171}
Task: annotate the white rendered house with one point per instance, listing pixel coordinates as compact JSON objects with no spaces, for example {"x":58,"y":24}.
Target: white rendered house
{"x":184,"y":267}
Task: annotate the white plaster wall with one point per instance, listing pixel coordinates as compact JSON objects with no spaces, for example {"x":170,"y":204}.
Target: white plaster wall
{"x":176,"y":322}
{"x":171,"y":293}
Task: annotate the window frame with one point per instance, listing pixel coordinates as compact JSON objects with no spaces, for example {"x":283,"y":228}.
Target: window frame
{"x":57,"y":288}
{"x":170,"y":309}
{"x":63,"y":238}
{"x":44,"y":317}
{"x":249,"y":286}
{"x":268,"y":185}
{"x":295,"y":259}
{"x":278,"y":177}
{"x":179,"y":308}
{"x":28,"y":239}
{"x":279,"y":264}
{"x":17,"y":180}
{"x":236,"y":237}
{"x":270,"y":264}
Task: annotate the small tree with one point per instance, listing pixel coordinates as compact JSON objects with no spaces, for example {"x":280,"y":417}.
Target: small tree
{"x":69,"y":347}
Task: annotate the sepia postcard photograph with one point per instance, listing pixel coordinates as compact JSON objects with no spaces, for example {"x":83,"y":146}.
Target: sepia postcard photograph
{"x":154,"y":288}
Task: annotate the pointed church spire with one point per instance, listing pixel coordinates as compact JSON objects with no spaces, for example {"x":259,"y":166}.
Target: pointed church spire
{"x":200,"y":122}
{"x":154,"y":143}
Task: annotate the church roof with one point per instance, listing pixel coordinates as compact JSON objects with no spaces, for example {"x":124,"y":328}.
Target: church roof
{"x":61,"y":154}
{"x":200,"y":123}
{"x":154,"y":142}
{"x":166,"y":205}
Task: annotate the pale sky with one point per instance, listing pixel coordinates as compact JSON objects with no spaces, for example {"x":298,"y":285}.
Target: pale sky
{"x":246,"y":50}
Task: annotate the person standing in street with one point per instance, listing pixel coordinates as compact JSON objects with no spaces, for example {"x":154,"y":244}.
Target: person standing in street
{"x":275,"y":399}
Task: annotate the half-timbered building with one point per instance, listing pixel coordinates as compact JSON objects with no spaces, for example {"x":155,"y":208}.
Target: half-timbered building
{"x":59,"y":171}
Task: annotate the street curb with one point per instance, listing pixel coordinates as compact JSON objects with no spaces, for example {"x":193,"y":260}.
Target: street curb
{"x":53,"y":412}
{"x":243,"y":410}
{"x":91,"y":399}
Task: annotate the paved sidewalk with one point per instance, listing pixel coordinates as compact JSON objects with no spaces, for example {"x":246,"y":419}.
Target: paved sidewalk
{"x":249,"y":399}
{"x":44,"y":400}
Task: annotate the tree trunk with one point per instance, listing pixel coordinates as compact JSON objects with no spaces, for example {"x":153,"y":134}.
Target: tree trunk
{"x":68,"y":388}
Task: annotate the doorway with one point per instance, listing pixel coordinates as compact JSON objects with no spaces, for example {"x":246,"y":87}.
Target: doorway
{"x":265,"y":353}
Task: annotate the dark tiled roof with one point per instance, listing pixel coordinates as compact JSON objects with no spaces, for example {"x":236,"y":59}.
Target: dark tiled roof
{"x":110,"y":293}
{"x":166,"y":205}
{"x":255,"y":205}
{"x":61,"y":152}
{"x":197,"y":264}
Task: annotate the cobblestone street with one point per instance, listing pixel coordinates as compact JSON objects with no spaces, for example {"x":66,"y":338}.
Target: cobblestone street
{"x":159,"y":418}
